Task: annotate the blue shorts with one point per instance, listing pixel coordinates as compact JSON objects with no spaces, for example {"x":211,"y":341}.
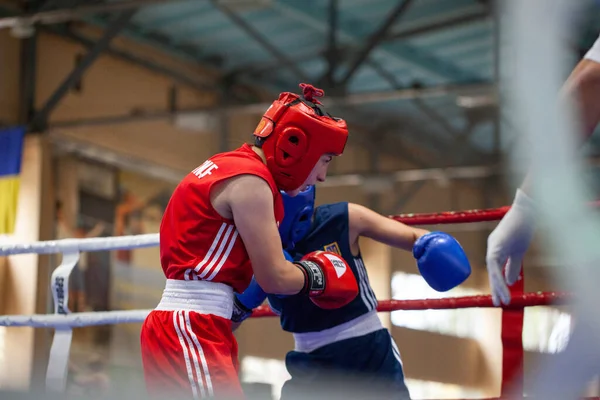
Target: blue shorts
{"x":364,"y":367}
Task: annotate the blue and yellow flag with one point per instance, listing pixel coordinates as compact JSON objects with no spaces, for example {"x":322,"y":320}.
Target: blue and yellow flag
{"x":11,"y":151}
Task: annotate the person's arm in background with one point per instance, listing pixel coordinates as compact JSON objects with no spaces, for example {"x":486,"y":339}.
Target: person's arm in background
{"x":583,"y":88}
{"x":508,"y":243}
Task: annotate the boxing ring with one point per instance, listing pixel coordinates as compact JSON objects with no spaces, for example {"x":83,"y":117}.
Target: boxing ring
{"x":63,"y":321}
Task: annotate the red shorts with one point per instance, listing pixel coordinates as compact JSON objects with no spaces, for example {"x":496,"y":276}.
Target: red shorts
{"x":190,"y":355}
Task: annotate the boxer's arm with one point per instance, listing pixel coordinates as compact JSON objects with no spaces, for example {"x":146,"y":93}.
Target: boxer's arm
{"x":441,"y":260}
{"x":251,"y":202}
{"x":365,"y":222}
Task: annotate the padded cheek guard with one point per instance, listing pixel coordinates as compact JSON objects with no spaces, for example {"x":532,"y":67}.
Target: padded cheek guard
{"x":298,"y":217}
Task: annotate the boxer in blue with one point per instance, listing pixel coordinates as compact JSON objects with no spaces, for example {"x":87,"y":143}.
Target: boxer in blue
{"x":347,"y":353}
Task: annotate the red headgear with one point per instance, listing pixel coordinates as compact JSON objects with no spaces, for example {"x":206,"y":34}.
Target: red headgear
{"x":295,"y":132}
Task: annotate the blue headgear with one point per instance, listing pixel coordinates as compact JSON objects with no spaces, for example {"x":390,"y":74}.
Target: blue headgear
{"x":298,"y":217}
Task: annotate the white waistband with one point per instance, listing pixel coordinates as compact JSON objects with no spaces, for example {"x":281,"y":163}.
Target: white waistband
{"x":203,"y":297}
{"x":363,"y":325}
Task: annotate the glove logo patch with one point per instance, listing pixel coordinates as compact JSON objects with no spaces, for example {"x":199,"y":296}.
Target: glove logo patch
{"x":333,"y":247}
{"x":338,"y":264}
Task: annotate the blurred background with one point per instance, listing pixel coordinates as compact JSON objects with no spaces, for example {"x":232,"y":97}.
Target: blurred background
{"x":120,"y":99}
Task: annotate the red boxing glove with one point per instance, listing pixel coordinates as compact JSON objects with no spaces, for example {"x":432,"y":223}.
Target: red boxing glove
{"x":328,"y":280}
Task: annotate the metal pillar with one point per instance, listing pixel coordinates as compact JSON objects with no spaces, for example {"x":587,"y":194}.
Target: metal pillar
{"x":332,"y":48}
{"x":172,"y":99}
{"x":134,"y":59}
{"x":492,"y":184}
{"x":224,"y":118}
{"x":495,"y":8}
{"x":27,"y":79}
{"x":374,"y":197}
{"x":40,"y":120}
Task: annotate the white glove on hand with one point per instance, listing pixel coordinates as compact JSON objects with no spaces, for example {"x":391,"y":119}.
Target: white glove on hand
{"x":509,"y":242}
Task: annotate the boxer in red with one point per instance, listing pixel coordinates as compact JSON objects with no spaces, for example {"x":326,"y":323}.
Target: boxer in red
{"x":221,"y":227}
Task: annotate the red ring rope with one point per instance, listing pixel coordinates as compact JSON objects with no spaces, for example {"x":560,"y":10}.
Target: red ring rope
{"x":459,"y":217}
{"x":482,"y":301}
{"x":453,"y":217}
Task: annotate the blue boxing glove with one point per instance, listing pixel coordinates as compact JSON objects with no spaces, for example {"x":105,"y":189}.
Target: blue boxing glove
{"x":441,"y":260}
{"x":244,"y":303}
{"x":253,"y":296}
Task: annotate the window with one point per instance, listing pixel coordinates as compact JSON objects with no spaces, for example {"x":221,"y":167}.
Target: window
{"x":461,"y":323}
{"x":545,"y":329}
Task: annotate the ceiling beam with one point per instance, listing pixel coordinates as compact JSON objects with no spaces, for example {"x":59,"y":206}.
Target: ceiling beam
{"x":199,"y":83}
{"x":347,"y":100}
{"x":263,"y":41}
{"x":74,"y":13}
{"x":40,"y":119}
{"x":375,"y":39}
{"x":344,"y":49}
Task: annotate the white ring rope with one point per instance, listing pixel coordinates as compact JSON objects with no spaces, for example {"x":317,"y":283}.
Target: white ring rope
{"x":62,"y":320}
{"x":75,"y":320}
{"x":74,"y":246}
{"x":88,"y":244}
